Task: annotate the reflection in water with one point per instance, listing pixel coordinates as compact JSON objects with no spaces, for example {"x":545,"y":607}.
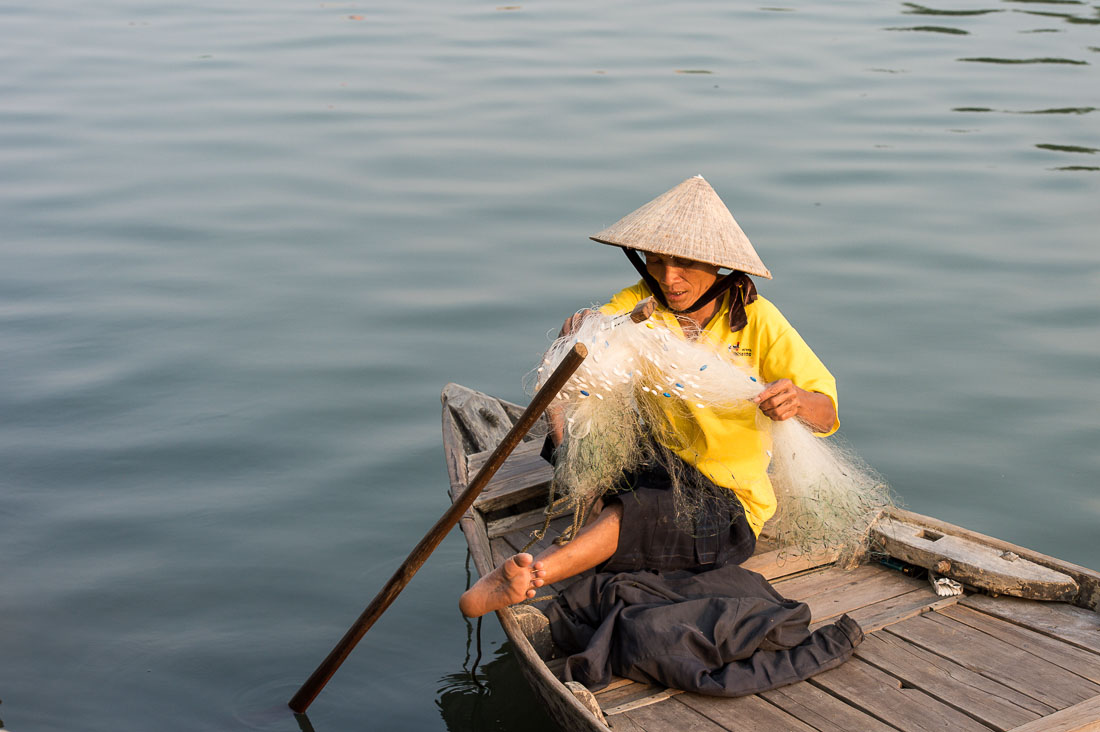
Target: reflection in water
{"x":933,"y":29}
{"x":1069,"y":148}
{"x":914,"y":9}
{"x":502,"y":701}
{"x":1048,"y":60}
{"x":1060,"y":110}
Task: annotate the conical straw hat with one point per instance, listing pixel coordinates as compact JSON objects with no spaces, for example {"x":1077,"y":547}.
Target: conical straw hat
{"x":690,"y":222}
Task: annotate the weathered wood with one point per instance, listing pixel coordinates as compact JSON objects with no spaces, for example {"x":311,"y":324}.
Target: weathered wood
{"x":1083,"y":717}
{"x":739,"y":713}
{"x":778,"y":563}
{"x":453,"y":454}
{"x":823,"y":711}
{"x":623,"y":723}
{"x":972,"y":562}
{"x":892,"y":610}
{"x":481,"y":417}
{"x":1087,"y":579}
{"x":995,"y":659}
{"x":586,"y":698}
{"x":526,"y":521}
{"x":617,"y":682}
{"x":501,"y":551}
{"x":654,"y":695}
{"x":528,"y":476}
{"x":671,"y":715}
{"x":882,"y":696}
{"x":987,"y":701}
{"x":1083,"y":663}
{"x":1070,"y":623}
{"x":538,"y":432}
{"x":824,"y":580}
{"x":849,"y":598}
{"x":477,"y":459}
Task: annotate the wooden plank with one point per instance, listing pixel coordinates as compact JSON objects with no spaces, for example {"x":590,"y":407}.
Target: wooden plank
{"x":1083,"y":717}
{"x":501,"y":551}
{"x":879,"y":615}
{"x":778,"y":563}
{"x":1072,"y":624}
{"x":824,"y":580}
{"x":1081,"y":662}
{"x":522,"y":477}
{"x":623,"y":723}
{"x":480,"y":457}
{"x":995,"y":659}
{"x":823,"y":711}
{"x":453,"y":452}
{"x":851,"y":596}
{"x":734,"y":713}
{"x":528,"y":520}
{"x":671,"y":716}
{"x":1087,"y":579}
{"x":883,"y":697}
{"x":617,"y":682}
{"x":657,"y":695}
{"x":971,"y":693}
{"x":972,"y":562}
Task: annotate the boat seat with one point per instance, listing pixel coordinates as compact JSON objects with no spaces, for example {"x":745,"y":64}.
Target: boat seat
{"x":523,"y":476}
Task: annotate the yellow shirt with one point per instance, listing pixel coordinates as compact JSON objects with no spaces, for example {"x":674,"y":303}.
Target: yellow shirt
{"x":731,"y":446}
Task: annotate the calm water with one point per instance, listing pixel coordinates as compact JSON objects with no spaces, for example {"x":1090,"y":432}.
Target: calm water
{"x":244,"y":245}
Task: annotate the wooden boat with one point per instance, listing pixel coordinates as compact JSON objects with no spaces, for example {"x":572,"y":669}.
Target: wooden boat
{"x":992,"y":658}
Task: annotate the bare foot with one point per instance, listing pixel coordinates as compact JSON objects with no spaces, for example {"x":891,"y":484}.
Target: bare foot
{"x":513,"y":581}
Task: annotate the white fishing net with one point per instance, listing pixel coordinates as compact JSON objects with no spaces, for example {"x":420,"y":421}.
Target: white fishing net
{"x":629,"y":402}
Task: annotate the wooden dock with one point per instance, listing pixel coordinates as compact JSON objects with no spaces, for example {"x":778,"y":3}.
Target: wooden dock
{"x":969,"y":663}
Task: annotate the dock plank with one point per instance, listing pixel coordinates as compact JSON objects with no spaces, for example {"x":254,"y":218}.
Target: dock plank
{"x":882,"y":696}
{"x":986,"y":700}
{"x":1081,"y":662}
{"x":995,"y":659}
{"x":823,"y":711}
{"x":1072,"y":624}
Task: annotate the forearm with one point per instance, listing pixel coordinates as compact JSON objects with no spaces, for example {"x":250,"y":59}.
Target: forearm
{"x":816,"y":410}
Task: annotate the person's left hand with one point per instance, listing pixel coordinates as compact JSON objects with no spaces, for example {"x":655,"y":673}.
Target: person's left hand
{"x":780,"y":400}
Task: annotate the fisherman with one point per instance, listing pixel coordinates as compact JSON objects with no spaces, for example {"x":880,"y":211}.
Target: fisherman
{"x":680,"y":243}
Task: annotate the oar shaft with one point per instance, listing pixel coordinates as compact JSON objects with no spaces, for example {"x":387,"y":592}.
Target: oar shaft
{"x":312,"y":687}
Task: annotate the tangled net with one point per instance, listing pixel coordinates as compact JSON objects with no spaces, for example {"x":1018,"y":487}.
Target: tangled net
{"x":619,"y":412}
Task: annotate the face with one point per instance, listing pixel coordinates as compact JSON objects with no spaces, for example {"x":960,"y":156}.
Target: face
{"x":682,"y":281}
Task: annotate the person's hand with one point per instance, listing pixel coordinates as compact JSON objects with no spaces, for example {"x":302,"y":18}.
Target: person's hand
{"x":780,"y":400}
{"x":574,"y":321}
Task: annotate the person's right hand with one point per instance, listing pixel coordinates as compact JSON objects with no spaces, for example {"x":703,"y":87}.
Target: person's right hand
{"x":574,"y":321}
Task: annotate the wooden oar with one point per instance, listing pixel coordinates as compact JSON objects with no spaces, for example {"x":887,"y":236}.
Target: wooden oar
{"x":312,"y":687}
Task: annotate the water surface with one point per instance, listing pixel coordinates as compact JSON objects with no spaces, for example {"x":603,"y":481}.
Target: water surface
{"x":245,"y":245}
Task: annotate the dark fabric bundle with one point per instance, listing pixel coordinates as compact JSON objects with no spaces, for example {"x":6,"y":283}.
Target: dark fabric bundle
{"x":722,"y":632}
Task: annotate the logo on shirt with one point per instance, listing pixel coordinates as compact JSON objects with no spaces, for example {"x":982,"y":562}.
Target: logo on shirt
{"x":737,"y":350}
